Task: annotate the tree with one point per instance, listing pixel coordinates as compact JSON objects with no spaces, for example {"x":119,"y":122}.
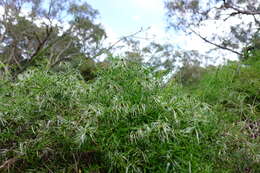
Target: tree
{"x":240,"y":18}
{"x":189,"y":74}
{"x":252,"y":51}
{"x":47,"y":31}
{"x":163,"y":57}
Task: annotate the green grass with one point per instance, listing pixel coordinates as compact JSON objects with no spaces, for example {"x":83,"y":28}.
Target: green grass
{"x":233,"y":91}
{"x":125,"y":121}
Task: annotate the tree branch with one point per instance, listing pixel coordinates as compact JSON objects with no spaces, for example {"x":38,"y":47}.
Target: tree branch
{"x":118,"y":41}
{"x":38,"y":52}
{"x":99,"y":52}
{"x":214,"y":44}
{"x":240,"y":11}
{"x":58,"y":59}
{"x":64,"y":59}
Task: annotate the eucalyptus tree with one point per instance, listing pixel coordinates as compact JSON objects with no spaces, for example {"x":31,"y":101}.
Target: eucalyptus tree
{"x":47,"y":32}
{"x":234,"y":22}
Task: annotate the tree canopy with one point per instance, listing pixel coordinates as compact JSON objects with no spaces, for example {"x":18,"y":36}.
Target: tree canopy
{"x":47,"y":31}
{"x":235,"y":21}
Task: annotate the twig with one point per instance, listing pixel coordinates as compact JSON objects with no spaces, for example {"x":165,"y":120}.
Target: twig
{"x":8,"y":163}
{"x":214,"y":44}
{"x":240,"y":11}
{"x":118,"y":41}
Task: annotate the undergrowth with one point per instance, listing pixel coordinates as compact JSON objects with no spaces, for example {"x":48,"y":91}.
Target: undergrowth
{"x":126,"y":121}
{"x":233,"y":91}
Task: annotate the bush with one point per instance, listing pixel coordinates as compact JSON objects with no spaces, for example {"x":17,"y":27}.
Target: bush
{"x":124,"y":121}
{"x":38,"y":116}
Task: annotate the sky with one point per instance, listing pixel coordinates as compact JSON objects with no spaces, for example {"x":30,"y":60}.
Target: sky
{"x":127,"y":16}
{"x":123,"y":17}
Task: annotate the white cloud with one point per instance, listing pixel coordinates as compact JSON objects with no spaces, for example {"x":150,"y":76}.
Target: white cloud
{"x":112,"y":36}
{"x":136,"y":18}
{"x":149,"y":4}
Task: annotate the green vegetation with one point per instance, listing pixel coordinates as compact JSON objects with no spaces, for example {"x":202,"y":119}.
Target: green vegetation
{"x":233,"y":91}
{"x":63,"y":110}
{"x":126,"y":121}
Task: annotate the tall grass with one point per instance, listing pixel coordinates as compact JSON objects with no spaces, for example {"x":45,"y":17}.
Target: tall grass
{"x":123,"y":121}
{"x":233,"y":91}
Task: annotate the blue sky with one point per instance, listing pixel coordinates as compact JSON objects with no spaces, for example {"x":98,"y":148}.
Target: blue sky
{"x":127,"y":16}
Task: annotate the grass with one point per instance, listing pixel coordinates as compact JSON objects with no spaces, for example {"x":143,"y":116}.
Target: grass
{"x":126,"y":121}
{"x":233,"y":91}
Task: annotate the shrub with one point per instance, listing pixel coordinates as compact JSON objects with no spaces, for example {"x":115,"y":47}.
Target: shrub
{"x":124,"y":121}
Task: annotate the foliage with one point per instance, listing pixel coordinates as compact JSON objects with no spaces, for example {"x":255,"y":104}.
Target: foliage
{"x":123,"y":121}
{"x":47,"y":32}
{"x":239,"y":20}
{"x":233,"y":91}
{"x":162,"y":56}
{"x":189,"y":74}
{"x":35,"y":119}
{"x":65,"y":112}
